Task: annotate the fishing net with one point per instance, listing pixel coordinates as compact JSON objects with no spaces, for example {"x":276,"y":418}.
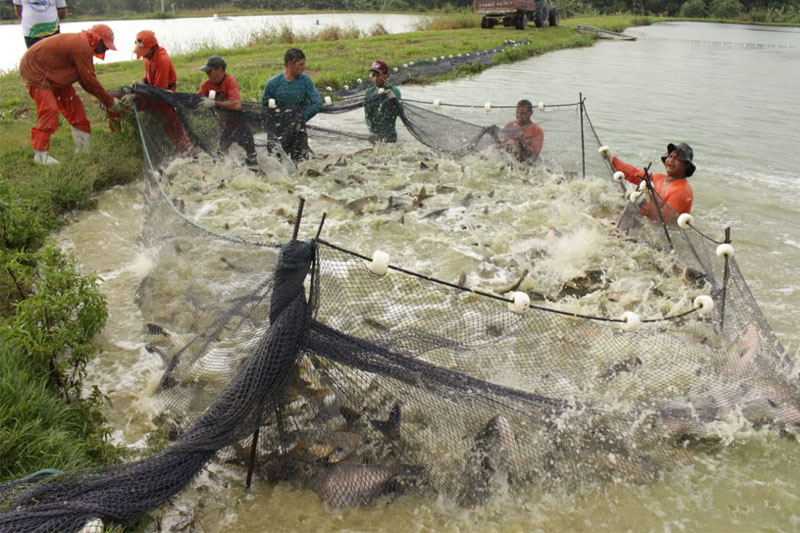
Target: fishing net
{"x":364,"y":379}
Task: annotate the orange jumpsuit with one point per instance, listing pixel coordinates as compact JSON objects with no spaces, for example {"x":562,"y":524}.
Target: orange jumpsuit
{"x":526,"y":141}
{"x":159,"y":72}
{"x":49,"y":68}
{"x":676,"y":196}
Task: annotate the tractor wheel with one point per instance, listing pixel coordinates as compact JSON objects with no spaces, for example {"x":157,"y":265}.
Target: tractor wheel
{"x":522,"y":22}
{"x":484,"y":22}
{"x":540,"y":15}
{"x":552,"y":17}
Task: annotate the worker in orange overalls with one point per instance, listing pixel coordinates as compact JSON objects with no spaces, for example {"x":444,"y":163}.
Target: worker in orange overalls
{"x":49,"y":68}
{"x":159,"y":72}
{"x":674,"y":194}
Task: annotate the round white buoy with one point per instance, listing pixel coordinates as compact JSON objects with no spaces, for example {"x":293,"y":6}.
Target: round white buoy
{"x":329,"y":89}
{"x":634,"y":196}
{"x":605,"y":152}
{"x":520,"y":302}
{"x":437,"y":104}
{"x":394,"y":69}
{"x":379,"y":263}
{"x":487,"y":107}
{"x":212,"y":94}
{"x":346,"y":87}
{"x":95,"y":525}
{"x":725,"y":249}
{"x":411,"y":63}
{"x":541,"y":106}
{"x":619,"y":175}
{"x":359,"y":81}
{"x":642,"y":186}
{"x":704,"y":304}
{"x":405,"y":65}
{"x":271,"y":103}
{"x":685,"y":220}
{"x":631,"y":321}
{"x":328,"y":100}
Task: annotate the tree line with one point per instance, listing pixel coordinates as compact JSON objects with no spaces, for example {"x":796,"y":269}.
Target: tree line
{"x":750,"y":10}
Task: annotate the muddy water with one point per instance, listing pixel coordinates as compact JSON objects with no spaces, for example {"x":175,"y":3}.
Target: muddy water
{"x":638,"y":103}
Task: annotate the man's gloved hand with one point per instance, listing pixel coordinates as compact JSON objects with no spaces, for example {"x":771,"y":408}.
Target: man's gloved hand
{"x":298,"y":126}
{"x":606,"y":153}
{"x":128,"y":99}
{"x":114,"y":108}
{"x":390,"y":94}
{"x":207,"y":103}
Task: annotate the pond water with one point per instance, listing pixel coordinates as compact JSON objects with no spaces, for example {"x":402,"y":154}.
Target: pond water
{"x":727,"y":90}
{"x":185,"y":35}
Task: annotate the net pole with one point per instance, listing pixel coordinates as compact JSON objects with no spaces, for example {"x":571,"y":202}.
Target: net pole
{"x":252,"y":464}
{"x":724,"y":290}
{"x":654,"y":196}
{"x":583,"y":146}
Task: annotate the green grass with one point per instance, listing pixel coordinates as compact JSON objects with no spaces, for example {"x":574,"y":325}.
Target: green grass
{"x":37,"y":428}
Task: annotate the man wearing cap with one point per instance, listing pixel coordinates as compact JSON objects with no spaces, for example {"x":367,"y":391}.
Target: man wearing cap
{"x":159,"y":72}
{"x":228,"y":100}
{"x":522,"y":137}
{"x":40,"y":18}
{"x":673,"y":192}
{"x":293,"y":89}
{"x":380,"y":112}
{"x":49,"y":68}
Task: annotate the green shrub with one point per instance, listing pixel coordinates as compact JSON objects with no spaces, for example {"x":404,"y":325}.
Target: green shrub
{"x":641,"y":21}
{"x":693,"y":9}
{"x":725,"y":9}
{"x":56,"y":323}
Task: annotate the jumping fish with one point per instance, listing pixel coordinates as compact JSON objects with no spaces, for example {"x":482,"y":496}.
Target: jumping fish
{"x":355,"y":485}
{"x":491,"y":458}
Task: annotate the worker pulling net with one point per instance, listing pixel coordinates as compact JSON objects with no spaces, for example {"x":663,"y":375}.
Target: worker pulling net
{"x":365,"y":379}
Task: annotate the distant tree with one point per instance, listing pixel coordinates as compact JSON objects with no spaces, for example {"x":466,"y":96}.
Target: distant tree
{"x":693,"y":9}
{"x":725,"y":9}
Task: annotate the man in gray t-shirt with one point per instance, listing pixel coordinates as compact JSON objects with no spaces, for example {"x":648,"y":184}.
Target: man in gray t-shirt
{"x":40,"y":18}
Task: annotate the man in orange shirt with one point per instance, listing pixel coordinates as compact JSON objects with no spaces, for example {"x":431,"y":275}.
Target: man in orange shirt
{"x":159,"y":72}
{"x":49,"y":68}
{"x":673,"y":192}
{"x":522,"y":137}
{"x":227,"y":99}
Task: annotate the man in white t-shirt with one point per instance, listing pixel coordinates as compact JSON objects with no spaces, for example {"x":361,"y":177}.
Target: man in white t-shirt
{"x":40,"y":18}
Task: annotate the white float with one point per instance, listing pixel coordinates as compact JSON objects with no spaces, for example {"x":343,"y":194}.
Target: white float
{"x":379,"y":263}
{"x":520,"y":302}
{"x":725,"y":249}
{"x":631,"y":321}
{"x":685,"y":220}
{"x":704,"y":304}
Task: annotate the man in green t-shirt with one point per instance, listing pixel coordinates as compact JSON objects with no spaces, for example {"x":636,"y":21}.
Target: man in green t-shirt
{"x":380,"y":112}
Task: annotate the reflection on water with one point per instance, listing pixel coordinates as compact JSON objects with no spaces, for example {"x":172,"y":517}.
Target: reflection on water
{"x":184,"y":35}
{"x":678,"y":81}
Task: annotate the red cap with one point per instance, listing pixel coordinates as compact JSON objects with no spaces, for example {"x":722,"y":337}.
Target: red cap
{"x":380,"y":66}
{"x":145,"y":40}
{"x":104,"y":33}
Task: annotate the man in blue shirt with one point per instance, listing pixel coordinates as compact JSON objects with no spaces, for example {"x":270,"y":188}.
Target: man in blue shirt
{"x":293,"y":89}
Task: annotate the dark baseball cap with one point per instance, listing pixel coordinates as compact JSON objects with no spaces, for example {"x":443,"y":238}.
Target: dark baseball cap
{"x":380,"y":67}
{"x":685,"y":153}
{"x":214,"y":62}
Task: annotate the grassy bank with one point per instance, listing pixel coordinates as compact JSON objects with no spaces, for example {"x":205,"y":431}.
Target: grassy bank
{"x":43,"y":423}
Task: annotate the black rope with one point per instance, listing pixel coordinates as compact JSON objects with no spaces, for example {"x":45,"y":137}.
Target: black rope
{"x":501,"y":298}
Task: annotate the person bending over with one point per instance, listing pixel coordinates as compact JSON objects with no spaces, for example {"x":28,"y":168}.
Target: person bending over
{"x":159,"y":72}
{"x":49,"y":68}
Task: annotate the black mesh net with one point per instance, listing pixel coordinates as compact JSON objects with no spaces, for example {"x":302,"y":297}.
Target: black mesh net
{"x":357,"y":382}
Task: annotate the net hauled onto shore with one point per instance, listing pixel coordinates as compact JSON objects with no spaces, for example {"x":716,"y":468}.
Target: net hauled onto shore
{"x":362,"y":380}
